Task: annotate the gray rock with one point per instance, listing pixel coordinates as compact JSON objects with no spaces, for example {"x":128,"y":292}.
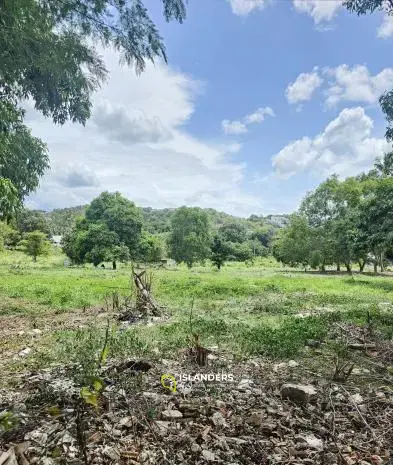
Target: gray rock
{"x":171,"y":414}
{"x":208,"y":455}
{"x":299,"y":393}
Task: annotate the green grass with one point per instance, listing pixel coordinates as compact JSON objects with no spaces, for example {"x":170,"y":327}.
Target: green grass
{"x":244,"y":309}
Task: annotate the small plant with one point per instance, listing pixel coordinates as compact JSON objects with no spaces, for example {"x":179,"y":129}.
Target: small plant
{"x":8,"y":420}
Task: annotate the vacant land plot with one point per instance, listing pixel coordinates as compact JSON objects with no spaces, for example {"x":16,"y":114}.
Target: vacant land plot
{"x":261,"y":322}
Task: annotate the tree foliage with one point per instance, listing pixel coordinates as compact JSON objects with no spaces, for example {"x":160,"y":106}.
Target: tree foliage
{"x":35,"y":243}
{"x":190,"y":237}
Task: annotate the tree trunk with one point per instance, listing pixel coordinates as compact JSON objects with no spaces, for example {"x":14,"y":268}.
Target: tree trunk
{"x":348,"y":267}
{"x":34,"y":258}
{"x":375,"y":267}
{"x":381,"y":257}
{"x":114,"y":265}
{"x":362,"y":263}
{"x":338,"y":267}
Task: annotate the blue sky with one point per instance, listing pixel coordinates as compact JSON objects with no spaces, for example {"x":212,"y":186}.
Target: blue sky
{"x":260,"y":101}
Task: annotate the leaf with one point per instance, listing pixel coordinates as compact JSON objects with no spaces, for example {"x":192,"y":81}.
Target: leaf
{"x":54,"y":411}
{"x":98,"y":384}
{"x":90,"y":397}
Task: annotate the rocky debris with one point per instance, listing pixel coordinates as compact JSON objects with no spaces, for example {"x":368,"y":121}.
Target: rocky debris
{"x":269,"y":417}
{"x":171,"y":414}
{"x":298,"y":393}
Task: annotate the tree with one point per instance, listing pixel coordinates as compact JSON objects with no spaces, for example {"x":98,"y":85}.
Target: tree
{"x":151,"y":248}
{"x":35,"y":244}
{"x":9,"y":199}
{"x":32,"y":220}
{"x":190,"y":237}
{"x":112,"y":225}
{"x":220,"y":251}
{"x":120,"y":215}
{"x":362,"y":7}
{"x":294,"y":243}
{"x":233,"y":232}
{"x":376,"y":220}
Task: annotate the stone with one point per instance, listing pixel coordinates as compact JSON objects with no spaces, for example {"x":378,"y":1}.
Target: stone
{"x":171,"y":414}
{"x":208,"y":455}
{"x":195,"y":448}
{"x":292,"y":364}
{"x":356,"y":399}
{"x":310,"y":441}
{"x":299,"y":393}
{"x":244,"y":384}
{"x":219,"y":420}
{"x":25,"y":352}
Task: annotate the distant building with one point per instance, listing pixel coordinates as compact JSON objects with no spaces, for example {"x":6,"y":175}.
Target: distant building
{"x":56,"y":240}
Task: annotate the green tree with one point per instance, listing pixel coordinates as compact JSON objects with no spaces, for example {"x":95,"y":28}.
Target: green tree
{"x":120,"y":215}
{"x":112,"y":225}
{"x":9,"y":199}
{"x":294,"y":243}
{"x":151,"y":248}
{"x":35,"y":243}
{"x":376,"y":220}
{"x":234,"y":232}
{"x":190,"y":237}
{"x":32,"y":220}
{"x":219,"y":251}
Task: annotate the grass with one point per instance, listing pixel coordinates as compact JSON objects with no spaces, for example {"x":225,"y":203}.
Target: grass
{"x":245,"y":309}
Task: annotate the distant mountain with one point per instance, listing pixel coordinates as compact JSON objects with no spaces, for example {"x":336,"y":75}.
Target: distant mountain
{"x":158,"y":221}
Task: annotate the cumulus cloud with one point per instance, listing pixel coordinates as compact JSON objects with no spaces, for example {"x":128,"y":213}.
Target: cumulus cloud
{"x":302,"y":89}
{"x":344,"y":147}
{"x":245,"y":7}
{"x":385,"y":30}
{"x":356,"y":84}
{"x":78,"y":175}
{"x":241,"y":126}
{"x":127,"y":125}
{"x":319,"y":10}
{"x":136,"y":143}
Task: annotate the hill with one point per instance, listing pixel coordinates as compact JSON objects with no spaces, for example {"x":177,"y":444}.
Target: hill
{"x":158,"y":221}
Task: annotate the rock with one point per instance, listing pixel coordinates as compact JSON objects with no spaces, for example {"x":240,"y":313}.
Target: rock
{"x":310,"y":441}
{"x":171,"y":414}
{"x":208,"y":455}
{"x":25,"y":352}
{"x":298,"y":393}
{"x":111,"y":453}
{"x":360,"y":371}
{"x":219,"y":420}
{"x":244,"y":384}
{"x":195,"y":448}
{"x":292,"y":364}
{"x":356,"y":398}
{"x":162,"y":427}
{"x":313,"y":343}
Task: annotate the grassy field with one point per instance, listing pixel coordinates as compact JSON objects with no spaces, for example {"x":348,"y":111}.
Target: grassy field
{"x":248,"y":310}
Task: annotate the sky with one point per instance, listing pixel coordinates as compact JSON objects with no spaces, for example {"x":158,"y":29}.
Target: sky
{"x":260,"y":101}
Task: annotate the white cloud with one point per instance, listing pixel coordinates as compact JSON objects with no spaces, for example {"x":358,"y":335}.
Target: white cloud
{"x":385,"y":30}
{"x":245,"y":7}
{"x":345,"y":147}
{"x":319,"y":10}
{"x":356,"y":84}
{"x":136,"y":143}
{"x":233,"y":127}
{"x":241,"y":126}
{"x":302,"y":89}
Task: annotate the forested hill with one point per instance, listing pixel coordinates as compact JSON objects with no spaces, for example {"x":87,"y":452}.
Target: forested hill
{"x":159,"y":220}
